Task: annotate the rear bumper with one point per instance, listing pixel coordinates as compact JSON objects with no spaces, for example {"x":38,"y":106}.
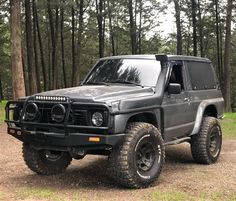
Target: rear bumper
{"x":46,"y":139}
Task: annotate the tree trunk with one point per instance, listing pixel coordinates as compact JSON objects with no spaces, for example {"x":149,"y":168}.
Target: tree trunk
{"x":54,"y":39}
{"x":194,"y":23}
{"x":99,"y":11}
{"x":35,"y":14}
{"x":30,"y":49}
{"x":49,"y":60}
{"x":36,"y":49}
{"x":18,"y":84}
{"x":132,"y":28}
{"x":140,"y":27}
{"x":111,"y":29}
{"x":227,"y":70}
{"x":200,"y":29}
{"x":62,"y":46}
{"x":75,"y":75}
{"x":217,"y":38}
{"x":25,"y":72}
{"x":73,"y":44}
{"x":178,"y":28}
{"x":1,"y":91}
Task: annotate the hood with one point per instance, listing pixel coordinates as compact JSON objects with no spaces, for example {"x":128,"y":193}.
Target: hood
{"x":101,"y":93}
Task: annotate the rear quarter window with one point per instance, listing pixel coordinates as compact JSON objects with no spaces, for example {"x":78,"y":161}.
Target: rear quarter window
{"x":202,"y":75}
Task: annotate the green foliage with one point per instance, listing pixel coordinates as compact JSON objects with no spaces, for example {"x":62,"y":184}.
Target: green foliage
{"x":147,"y":16}
{"x":229,"y":125}
{"x":5,"y":73}
{"x":2,"y":111}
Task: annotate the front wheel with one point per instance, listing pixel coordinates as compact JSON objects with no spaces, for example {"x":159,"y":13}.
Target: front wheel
{"x":45,"y":162}
{"x":138,"y":160}
{"x":206,"y":145}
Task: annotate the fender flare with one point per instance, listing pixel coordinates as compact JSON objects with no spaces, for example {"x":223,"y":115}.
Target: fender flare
{"x":201,"y":108}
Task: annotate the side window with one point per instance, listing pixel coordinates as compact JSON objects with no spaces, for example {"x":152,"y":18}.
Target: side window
{"x":176,"y":75}
{"x":201,"y":75}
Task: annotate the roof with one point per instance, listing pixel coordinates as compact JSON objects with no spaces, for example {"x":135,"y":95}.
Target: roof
{"x":153,"y":57}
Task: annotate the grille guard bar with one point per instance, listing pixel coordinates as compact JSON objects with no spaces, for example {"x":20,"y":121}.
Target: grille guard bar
{"x":65,"y":125}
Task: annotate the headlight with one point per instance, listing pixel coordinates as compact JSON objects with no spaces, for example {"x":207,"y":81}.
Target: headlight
{"x":97,"y":119}
{"x":31,"y":111}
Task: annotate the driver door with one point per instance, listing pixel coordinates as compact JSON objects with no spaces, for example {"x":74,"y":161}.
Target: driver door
{"x":177,"y":107}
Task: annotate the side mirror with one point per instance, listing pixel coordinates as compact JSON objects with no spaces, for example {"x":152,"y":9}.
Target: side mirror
{"x":174,"y":88}
{"x":80,"y":82}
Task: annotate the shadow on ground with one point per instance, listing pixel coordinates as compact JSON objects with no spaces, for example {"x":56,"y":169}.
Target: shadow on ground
{"x":91,"y":172}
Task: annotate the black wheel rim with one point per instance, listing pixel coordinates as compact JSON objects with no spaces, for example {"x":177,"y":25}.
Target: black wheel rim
{"x":214,"y":141}
{"x":51,"y":155}
{"x":145,"y":155}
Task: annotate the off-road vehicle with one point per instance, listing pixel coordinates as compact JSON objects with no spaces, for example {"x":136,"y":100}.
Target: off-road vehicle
{"x":128,"y":108}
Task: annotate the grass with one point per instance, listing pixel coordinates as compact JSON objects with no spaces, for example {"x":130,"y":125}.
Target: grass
{"x":2,"y":110}
{"x":39,"y":193}
{"x":183,"y":196}
{"x":2,"y":195}
{"x":35,"y":193}
{"x":229,"y":125}
{"x":170,"y":196}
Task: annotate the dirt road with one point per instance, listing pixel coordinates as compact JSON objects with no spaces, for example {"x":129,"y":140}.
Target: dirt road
{"x":181,"y":178}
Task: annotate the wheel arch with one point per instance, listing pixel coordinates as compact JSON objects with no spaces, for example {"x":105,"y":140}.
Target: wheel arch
{"x":147,"y":117}
{"x":210,"y":107}
{"x":211,"y":111}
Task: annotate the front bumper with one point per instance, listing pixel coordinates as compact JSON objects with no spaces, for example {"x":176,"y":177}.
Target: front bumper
{"x":48,"y":139}
{"x":61,"y":135}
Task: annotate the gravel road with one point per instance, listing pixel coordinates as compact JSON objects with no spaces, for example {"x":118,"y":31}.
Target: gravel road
{"x":87,"y":179}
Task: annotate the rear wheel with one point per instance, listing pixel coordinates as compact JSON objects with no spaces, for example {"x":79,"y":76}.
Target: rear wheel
{"x":45,"y":162}
{"x":206,"y":145}
{"x":138,"y":160}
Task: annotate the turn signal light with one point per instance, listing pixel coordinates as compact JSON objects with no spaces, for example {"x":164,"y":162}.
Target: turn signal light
{"x":94,"y":139}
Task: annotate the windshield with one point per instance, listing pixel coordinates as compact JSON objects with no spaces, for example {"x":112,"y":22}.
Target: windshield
{"x":141,"y":72}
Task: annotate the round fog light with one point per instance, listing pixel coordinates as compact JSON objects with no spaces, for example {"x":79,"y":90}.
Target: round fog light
{"x":97,"y":119}
{"x":31,"y":111}
{"x":58,"y":113}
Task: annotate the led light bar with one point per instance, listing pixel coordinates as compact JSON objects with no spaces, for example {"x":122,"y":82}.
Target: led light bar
{"x":51,"y":98}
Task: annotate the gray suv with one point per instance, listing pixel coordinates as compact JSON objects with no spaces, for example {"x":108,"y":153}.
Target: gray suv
{"x":128,"y":108}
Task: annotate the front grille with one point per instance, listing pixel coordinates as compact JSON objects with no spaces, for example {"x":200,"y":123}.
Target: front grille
{"x":80,"y":117}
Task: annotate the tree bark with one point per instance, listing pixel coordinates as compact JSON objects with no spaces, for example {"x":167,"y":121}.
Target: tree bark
{"x":18,"y":84}
{"x":178,"y":28}
{"x":111,"y":29}
{"x":62,"y":46}
{"x":132,"y":28}
{"x":1,"y":91}
{"x":217,"y":21}
{"x":54,"y":40}
{"x":30,"y":49}
{"x":194,"y":23}
{"x":200,"y":29}
{"x":73,"y":44}
{"x":75,"y":75}
{"x":100,"y":21}
{"x":36,"y":49}
{"x":35,"y":14}
{"x":227,"y":70}
{"x":140,"y":27}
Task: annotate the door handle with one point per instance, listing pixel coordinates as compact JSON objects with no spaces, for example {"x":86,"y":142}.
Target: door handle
{"x":186,"y":99}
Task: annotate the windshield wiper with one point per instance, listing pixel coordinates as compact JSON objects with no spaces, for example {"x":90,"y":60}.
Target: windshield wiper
{"x":97,"y":83}
{"x":125,"y":82}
